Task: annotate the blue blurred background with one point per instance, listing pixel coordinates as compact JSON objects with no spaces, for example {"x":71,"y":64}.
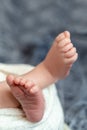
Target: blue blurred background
{"x":27,"y":30}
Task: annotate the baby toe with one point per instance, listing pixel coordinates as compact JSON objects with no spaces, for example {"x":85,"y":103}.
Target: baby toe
{"x":60,"y":37}
{"x":10,"y":79}
{"x":67,"y":34}
{"x":70,"y":53}
{"x":64,"y":42}
{"x":67,"y":47}
{"x":29,"y":84}
{"x":34,"y":89}
{"x":70,"y":61}
{"x":22,"y":81}
{"x":17,"y":80}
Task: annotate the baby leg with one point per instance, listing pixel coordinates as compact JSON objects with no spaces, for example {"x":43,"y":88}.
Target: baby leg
{"x":55,"y":66}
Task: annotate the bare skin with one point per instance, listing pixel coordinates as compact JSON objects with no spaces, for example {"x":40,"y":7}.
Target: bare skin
{"x":27,"y":88}
{"x":7,"y":100}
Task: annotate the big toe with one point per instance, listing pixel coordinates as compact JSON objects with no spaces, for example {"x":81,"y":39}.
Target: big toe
{"x":67,"y":34}
{"x":10,"y":79}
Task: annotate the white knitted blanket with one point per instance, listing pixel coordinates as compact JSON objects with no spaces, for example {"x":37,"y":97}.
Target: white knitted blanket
{"x":14,"y":119}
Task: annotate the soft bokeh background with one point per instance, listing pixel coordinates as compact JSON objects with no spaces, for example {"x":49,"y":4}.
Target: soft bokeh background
{"x":27,"y":30}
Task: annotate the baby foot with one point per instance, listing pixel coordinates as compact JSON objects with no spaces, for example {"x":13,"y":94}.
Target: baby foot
{"x":57,"y":63}
{"x":55,"y":66}
{"x":61,"y":56}
{"x":29,"y":95}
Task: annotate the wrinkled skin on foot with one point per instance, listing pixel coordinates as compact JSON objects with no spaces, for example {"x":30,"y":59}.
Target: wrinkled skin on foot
{"x":29,"y":95}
